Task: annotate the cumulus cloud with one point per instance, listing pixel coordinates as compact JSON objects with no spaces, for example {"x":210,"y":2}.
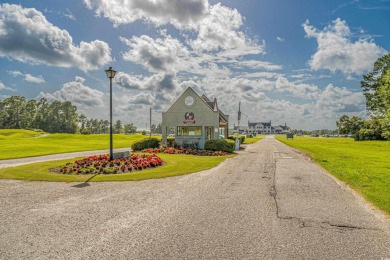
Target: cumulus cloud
{"x":336,"y":99}
{"x":156,"y":82}
{"x":306,"y":91}
{"x":26,"y":36}
{"x":219,"y":31}
{"x":216,"y":27}
{"x":159,"y":12}
{"x":76,"y":92}
{"x":27,"y":77}
{"x":336,"y":50}
{"x":155,"y":54}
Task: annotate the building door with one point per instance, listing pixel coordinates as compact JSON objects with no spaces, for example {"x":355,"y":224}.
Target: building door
{"x":209,"y":132}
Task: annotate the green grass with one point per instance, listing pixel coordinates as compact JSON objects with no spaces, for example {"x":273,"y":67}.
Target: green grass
{"x":175,"y":165}
{"x":17,"y":134}
{"x":252,"y":140}
{"x":25,"y":143}
{"x":364,"y":166}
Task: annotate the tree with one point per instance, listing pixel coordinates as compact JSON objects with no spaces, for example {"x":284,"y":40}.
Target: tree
{"x":117,"y":128}
{"x":385,"y":123}
{"x":82,"y":121}
{"x":31,"y":112}
{"x":348,"y":125}
{"x":376,"y":87}
{"x":130,"y":128}
{"x":157,"y":129}
{"x":343,"y":124}
{"x":42,"y":111}
{"x":371,"y":130}
{"x":13,"y":113}
{"x":104,"y":126}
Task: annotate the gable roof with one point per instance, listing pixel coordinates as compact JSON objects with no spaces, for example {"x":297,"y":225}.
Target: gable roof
{"x":213,"y":105}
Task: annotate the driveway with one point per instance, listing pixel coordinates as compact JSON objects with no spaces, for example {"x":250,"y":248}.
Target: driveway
{"x":269,"y":202}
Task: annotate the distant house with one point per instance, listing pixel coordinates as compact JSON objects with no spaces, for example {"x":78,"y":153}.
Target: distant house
{"x":194,"y":119}
{"x":260,"y":127}
{"x":266,"y":128}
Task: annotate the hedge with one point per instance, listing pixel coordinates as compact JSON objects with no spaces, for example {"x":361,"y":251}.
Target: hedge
{"x":145,"y":144}
{"x":219,"y":145}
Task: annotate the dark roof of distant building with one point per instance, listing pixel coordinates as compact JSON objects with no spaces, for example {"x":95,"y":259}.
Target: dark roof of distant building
{"x":256,"y":123}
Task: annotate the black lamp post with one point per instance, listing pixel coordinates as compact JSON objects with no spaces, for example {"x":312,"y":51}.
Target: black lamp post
{"x":110,"y":74}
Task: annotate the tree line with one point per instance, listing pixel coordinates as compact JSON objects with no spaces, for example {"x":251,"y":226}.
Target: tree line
{"x":376,"y":89}
{"x":57,"y":117}
{"x":96,"y":126}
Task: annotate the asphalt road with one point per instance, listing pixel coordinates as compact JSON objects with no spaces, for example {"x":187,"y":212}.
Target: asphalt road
{"x":269,"y":202}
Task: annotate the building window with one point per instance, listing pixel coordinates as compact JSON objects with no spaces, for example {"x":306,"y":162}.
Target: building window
{"x":189,"y":131}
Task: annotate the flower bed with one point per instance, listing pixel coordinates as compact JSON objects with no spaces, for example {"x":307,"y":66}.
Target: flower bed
{"x":171,"y":150}
{"x":101,"y":164}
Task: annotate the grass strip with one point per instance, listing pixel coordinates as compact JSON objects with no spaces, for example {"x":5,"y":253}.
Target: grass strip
{"x":252,"y":140}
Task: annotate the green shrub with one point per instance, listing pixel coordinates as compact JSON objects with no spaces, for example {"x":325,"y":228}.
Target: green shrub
{"x":232,"y":144}
{"x":145,"y":144}
{"x":219,"y":145}
{"x":86,"y":131}
{"x":235,"y":137}
{"x":170,"y":141}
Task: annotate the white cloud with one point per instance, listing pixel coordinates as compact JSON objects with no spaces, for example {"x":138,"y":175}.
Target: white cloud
{"x":336,"y":51}
{"x":15,"y":73}
{"x":157,"y":82}
{"x":34,"y":79}
{"x":256,"y":64}
{"x":216,"y":27}
{"x":26,"y":36}
{"x":155,"y":54}
{"x":336,"y":99}
{"x":159,"y":12}
{"x":306,"y":91}
{"x":68,"y":14}
{"x":280,"y":39}
{"x":219,"y":31}
{"x":27,"y":77}
{"x":80,"y":95}
{"x":4,"y":87}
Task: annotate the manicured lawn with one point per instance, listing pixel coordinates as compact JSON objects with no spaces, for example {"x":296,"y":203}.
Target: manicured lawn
{"x":175,"y":165}
{"x":25,"y":143}
{"x":252,"y":140}
{"x":364,"y":166}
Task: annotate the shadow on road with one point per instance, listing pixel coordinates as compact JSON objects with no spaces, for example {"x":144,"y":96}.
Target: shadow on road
{"x":84,"y":184}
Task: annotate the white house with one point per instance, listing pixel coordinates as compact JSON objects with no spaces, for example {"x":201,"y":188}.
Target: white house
{"x":266,"y":128}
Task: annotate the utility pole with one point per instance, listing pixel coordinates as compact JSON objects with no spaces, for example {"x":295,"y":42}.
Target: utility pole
{"x":239,"y":116}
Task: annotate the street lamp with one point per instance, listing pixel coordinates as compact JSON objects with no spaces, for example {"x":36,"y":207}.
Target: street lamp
{"x":110,"y":74}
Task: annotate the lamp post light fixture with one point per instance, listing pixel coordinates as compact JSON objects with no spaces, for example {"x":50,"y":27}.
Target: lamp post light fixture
{"x":110,"y":74}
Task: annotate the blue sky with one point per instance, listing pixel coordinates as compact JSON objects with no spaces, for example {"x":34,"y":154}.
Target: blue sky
{"x":295,"y":62}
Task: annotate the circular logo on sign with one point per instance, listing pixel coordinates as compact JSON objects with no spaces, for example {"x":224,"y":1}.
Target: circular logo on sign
{"x":189,"y":118}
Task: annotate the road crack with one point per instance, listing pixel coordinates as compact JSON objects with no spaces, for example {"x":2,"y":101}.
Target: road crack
{"x":270,"y":168}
